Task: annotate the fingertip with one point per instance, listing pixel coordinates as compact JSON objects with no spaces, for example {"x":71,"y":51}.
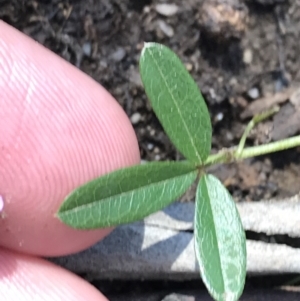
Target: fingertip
{"x":28,"y":279}
{"x":58,"y":129}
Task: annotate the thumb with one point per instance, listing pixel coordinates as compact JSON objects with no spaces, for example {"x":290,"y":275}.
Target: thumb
{"x":58,"y":129}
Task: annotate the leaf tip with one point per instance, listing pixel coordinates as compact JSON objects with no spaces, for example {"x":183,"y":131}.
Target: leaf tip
{"x":57,"y":214}
{"x":148,"y":45}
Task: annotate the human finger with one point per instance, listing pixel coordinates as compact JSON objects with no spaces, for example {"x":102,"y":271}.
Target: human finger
{"x":58,"y":129}
{"x":32,"y":279}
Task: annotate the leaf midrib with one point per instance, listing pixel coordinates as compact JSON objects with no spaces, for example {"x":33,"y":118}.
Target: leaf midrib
{"x":177,"y":107}
{"x":216,"y":234}
{"x":87,"y":206}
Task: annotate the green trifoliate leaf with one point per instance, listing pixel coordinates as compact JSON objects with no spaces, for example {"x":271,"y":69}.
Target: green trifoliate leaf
{"x":176,"y":101}
{"x":126,"y":195}
{"x":220,"y":241}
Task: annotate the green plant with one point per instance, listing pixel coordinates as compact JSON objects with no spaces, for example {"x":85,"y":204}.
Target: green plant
{"x":130,"y":194}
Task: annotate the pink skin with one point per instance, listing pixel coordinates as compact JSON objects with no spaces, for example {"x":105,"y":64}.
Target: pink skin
{"x":58,"y":129}
{"x":32,"y":279}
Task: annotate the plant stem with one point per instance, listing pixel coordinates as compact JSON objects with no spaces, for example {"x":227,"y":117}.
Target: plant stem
{"x":231,"y":155}
{"x":255,"y":120}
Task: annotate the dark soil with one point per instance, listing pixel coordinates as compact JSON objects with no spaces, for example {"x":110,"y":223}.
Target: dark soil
{"x":257,"y":289}
{"x":237,"y":51}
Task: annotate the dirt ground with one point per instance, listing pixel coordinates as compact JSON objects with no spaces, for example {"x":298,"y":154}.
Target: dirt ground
{"x":243,"y":54}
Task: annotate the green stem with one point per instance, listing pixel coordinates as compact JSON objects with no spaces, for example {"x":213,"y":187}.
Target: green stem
{"x":255,"y":120}
{"x":231,"y":155}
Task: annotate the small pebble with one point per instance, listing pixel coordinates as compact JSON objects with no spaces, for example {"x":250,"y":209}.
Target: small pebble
{"x":253,"y":93}
{"x":146,"y":10}
{"x":189,"y":67}
{"x":233,"y":81}
{"x":166,"y":10}
{"x":219,"y":116}
{"x":103,"y":63}
{"x":220,"y":79}
{"x":150,"y":146}
{"x":212,"y":93}
{"x":247,"y":56}
{"x":87,"y":48}
{"x":165,"y":28}
{"x":157,"y":157}
{"x":135,"y":118}
{"x":152,"y":133}
{"x":229,"y":136}
{"x":118,"y":55}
